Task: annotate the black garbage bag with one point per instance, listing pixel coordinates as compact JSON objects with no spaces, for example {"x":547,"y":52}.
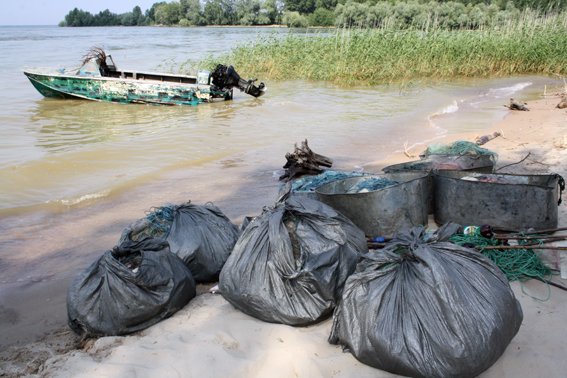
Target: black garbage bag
{"x":427,"y":308}
{"x":201,"y":235}
{"x":129,"y":288}
{"x":291,"y":262}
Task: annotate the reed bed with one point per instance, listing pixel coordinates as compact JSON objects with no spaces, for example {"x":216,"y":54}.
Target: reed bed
{"x":529,"y":45}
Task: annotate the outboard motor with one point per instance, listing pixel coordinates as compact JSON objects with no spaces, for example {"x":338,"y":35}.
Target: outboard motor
{"x":225,"y":77}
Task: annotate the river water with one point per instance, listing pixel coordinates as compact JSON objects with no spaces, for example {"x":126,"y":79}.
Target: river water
{"x":61,"y":152}
{"x":68,"y":168}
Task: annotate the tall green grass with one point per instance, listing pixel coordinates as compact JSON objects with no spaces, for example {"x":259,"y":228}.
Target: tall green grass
{"x":528,"y":45}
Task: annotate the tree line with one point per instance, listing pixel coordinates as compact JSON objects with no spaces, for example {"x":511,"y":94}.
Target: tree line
{"x":302,"y":13}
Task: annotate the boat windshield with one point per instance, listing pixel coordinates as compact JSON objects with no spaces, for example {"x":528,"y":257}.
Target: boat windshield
{"x":90,"y":68}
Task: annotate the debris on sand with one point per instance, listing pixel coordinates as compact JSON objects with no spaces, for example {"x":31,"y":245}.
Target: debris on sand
{"x":515,"y":105}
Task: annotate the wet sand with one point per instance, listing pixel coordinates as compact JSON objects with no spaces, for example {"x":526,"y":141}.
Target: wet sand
{"x":208,"y":337}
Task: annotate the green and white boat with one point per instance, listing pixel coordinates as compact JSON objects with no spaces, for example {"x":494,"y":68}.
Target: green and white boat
{"x":98,"y":79}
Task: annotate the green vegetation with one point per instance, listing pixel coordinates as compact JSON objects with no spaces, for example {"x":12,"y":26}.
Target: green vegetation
{"x":302,"y":13}
{"x":78,"y":17}
{"x":530,"y":44}
{"x":377,"y":41}
{"x":186,"y":13}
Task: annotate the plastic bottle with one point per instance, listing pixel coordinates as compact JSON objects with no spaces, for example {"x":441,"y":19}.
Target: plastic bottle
{"x":471,"y":230}
{"x":485,"y":231}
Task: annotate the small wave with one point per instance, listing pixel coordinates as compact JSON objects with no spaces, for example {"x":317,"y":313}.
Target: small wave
{"x":83,"y":198}
{"x":493,"y":94}
{"x":453,"y":108}
{"x":52,"y":206}
{"x":507,"y":91}
{"x":449,"y":109}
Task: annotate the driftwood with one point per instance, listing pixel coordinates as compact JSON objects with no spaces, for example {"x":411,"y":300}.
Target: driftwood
{"x":515,"y":105}
{"x":303,"y":161}
{"x":487,"y":138}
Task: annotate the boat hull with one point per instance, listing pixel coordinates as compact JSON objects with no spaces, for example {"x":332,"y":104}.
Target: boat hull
{"x":123,"y":90}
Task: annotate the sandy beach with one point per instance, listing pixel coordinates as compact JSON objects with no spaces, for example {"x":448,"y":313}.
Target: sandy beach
{"x":210,"y":338}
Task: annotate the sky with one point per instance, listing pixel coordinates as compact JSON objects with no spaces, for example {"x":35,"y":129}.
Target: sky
{"x":51,"y":12}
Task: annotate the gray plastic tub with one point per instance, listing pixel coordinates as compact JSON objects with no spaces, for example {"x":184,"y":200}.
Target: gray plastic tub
{"x":385,"y":211}
{"x":504,"y":201}
{"x":475,"y":163}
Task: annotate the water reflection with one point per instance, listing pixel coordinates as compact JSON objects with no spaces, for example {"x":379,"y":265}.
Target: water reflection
{"x":65,"y":125}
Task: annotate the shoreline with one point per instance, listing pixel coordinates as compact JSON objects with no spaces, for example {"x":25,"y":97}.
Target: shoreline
{"x":538,"y":132}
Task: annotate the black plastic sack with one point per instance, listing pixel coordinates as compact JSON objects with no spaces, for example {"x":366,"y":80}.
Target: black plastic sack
{"x":201,"y":235}
{"x":427,"y":308}
{"x":129,"y":288}
{"x":291,"y":262}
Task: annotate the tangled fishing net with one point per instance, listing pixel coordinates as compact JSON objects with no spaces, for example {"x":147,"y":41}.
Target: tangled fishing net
{"x":517,"y":264}
{"x":370,"y":184}
{"x":460,"y":147}
{"x":156,"y":224}
{"x":310,"y":183}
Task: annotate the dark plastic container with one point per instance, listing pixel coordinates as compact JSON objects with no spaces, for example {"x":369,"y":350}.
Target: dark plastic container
{"x":504,"y":201}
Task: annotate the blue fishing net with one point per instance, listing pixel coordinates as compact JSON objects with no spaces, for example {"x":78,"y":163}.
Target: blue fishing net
{"x":160,"y":219}
{"x":310,"y":183}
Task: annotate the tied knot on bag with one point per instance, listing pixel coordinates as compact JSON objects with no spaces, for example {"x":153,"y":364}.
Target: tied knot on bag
{"x":406,"y":253}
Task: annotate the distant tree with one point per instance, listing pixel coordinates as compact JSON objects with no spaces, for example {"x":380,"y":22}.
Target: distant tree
{"x":263,"y":19}
{"x":138,"y":16}
{"x":219,"y":12}
{"x":322,"y":17}
{"x":127,"y":19}
{"x":301,"y":6}
{"x":450,"y":14}
{"x":168,"y":13}
{"x":378,"y":14}
{"x":151,"y":13}
{"x":214,"y":13}
{"x":106,"y":18}
{"x":78,"y":17}
{"x":326,"y":4}
{"x":247,"y":12}
{"x":351,"y":14}
{"x":273,"y":9}
{"x":295,"y":20}
{"x":192,"y":12}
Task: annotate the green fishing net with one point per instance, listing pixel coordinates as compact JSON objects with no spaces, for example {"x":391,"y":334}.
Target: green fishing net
{"x":460,"y":147}
{"x":517,"y":264}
